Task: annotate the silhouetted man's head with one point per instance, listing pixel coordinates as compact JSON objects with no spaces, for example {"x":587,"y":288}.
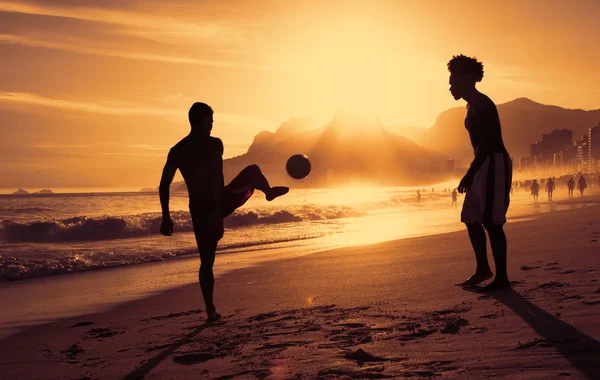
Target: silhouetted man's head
{"x":201,"y":118}
{"x":464,"y":73}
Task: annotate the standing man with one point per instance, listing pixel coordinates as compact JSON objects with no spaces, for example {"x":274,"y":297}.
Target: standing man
{"x":581,"y":185}
{"x":550,"y":187}
{"x":454,"y":197}
{"x":571,"y":187}
{"x":535,"y":190}
{"x":487,"y":182}
{"x":199,"y":158}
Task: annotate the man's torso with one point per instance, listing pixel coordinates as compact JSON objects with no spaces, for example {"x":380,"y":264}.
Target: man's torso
{"x":483,"y":114}
{"x":200,"y":161}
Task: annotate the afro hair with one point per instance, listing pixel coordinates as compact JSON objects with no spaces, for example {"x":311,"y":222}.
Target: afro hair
{"x":463,"y":65}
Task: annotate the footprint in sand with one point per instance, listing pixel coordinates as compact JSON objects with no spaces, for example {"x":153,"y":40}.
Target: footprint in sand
{"x":173,"y":315}
{"x":592,"y":302}
{"x":361,"y":357}
{"x":567,"y":271}
{"x":80,"y":324}
{"x":489,"y":316}
{"x":453,"y":325}
{"x":417,"y":334}
{"x":351,"y":325}
{"x":454,"y":310}
{"x":72,"y":351}
{"x":159,"y":347}
{"x":525,"y":267}
{"x":190,"y":359}
{"x":103,"y":333}
{"x":534,"y":343}
{"x":573,"y":297}
{"x":271,"y":346}
{"x":552,"y":266}
{"x":551,"y":285}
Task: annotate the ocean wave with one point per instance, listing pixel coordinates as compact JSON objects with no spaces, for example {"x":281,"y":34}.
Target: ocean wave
{"x":17,"y":267}
{"x":82,"y":228}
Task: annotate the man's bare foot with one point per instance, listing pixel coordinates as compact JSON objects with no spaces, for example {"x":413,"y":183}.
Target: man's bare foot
{"x":496,"y":285}
{"x":477,"y":278}
{"x":276,"y":191}
{"x":213,"y":316}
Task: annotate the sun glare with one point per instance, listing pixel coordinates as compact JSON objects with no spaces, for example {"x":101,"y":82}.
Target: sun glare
{"x":353,"y":67}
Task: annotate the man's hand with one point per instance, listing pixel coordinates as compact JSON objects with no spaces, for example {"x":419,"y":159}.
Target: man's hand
{"x":465,"y":183}
{"x":166,"y":227}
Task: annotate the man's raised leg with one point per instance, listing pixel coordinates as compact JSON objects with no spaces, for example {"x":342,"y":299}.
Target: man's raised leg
{"x":252,"y":176}
{"x":478,"y":241}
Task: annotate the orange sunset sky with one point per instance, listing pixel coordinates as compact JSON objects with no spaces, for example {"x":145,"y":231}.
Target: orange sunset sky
{"x":93,"y":93}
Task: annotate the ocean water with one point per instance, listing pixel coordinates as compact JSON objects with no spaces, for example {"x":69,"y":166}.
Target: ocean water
{"x":43,"y":235}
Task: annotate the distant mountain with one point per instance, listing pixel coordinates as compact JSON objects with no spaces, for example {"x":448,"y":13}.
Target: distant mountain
{"x":349,"y":149}
{"x":21,"y":192}
{"x":147,"y":190}
{"x":523,"y":122}
{"x":46,"y":191}
{"x":411,"y":133}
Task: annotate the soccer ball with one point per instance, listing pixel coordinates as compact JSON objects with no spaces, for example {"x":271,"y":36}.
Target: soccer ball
{"x":298,"y":166}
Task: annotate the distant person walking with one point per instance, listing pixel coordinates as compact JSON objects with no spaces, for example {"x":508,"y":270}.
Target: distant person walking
{"x":418,"y":197}
{"x":454,"y":197}
{"x":199,"y":158}
{"x":487,"y":181}
{"x":550,"y":188}
{"x":581,"y":185}
{"x":571,"y":187}
{"x":535,"y":190}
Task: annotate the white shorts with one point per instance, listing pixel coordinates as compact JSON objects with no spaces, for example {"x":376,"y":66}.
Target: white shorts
{"x":488,"y":197}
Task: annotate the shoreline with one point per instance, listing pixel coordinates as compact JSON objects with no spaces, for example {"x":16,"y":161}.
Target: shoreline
{"x":357,"y":279}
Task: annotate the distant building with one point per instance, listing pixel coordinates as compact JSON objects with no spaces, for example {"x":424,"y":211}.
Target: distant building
{"x":594,"y":147}
{"x":556,"y":141}
{"x":536,"y":149}
{"x":450,"y":165}
{"x":546,"y":154}
{"x":524,"y":163}
{"x":567,"y":162}
{"x":537,"y":153}
{"x":583,"y":152}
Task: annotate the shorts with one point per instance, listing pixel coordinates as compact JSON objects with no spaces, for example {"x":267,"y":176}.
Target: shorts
{"x":488,"y":197}
{"x":208,"y":214}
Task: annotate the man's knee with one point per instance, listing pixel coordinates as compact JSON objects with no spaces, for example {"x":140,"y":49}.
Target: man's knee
{"x":493,"y":228}
{"x":206,"y":267}
{"x":254,"y":169}
{"x":474,"y":227}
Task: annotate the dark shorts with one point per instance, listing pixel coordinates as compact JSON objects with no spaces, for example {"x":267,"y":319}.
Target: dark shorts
{"x":207,"y":214}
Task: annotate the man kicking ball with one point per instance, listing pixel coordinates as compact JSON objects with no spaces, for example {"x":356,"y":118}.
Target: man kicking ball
{"x":487,"y":182}
{"x":199,"y":158}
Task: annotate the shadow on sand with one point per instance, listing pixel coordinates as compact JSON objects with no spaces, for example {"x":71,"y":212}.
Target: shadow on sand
{"x":141,"y":371}
{"x":580,"y":349}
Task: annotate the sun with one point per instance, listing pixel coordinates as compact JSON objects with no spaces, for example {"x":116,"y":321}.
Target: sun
{"x":353,"y":67}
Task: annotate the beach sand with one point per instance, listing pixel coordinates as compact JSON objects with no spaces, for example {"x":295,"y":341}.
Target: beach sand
{"x":388,"y":310}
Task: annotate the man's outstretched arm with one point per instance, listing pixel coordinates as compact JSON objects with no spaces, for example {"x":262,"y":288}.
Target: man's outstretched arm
{"x":166,"y":227}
